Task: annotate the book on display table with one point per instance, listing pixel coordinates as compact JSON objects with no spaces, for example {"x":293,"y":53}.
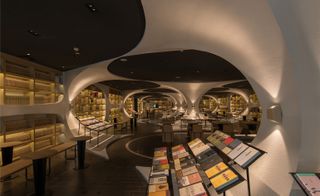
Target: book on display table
{"x":216,"y":173}
{"x":158,"y":181}
{"x":309,"y":182}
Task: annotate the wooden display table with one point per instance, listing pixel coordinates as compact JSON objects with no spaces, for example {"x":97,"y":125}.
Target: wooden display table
{"x":7,"y":151}
{"x":81,"y":148}
{"x":39,"y":159}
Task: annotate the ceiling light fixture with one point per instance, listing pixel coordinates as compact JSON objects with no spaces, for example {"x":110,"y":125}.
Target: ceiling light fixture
{"x":91,"y":7}
{"x":76,"y":50}
{"x":178,"y":77}
{"x":131,"y":72}
{"x":32,"y":32}
{"x":28,"y":54}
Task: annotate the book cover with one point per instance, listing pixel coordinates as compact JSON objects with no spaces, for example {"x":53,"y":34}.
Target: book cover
{"x":211,"y":162}
{"x":197,"y":151}
{"x":247,"y":157}
{"x":228,"y":140}
{"x":189,"y":170}
{"x":216,"y":169}
{"x":310,"y":182}
{"x":234,"y":143}
{"x":194,"y":142}
{"x":182,"y":155}
{"x":221,"y":146}
{"x":205,"y":154}
{"x":159,"y":193}
{"x":224,"y":179}
{"x":158,"y":180}
{"x":207,"y":157}
{"x":158,"y":187}
{"x":193,"y":190}
{"x":237,"y":151}
{"x":187,"y":164}
{"x":190,"y":179}
{"x":226,"y":150}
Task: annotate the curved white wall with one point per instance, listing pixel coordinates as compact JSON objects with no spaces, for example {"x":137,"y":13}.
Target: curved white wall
{"x":247,"y":34}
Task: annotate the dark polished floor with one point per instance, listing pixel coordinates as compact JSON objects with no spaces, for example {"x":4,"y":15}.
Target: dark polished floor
{"x":118,"y":176}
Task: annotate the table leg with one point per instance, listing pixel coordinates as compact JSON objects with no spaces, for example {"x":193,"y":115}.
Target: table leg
{"x":81,"y":148}
{"x":39,"y":171}
{"x":7,"y":154}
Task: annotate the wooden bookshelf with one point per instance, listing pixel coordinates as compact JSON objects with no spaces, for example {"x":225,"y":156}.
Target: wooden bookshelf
{"x":237,"y":104}
{"x":35,"y":131}
{"x":208,"y":105}
{"x":223,"y":105}
{"x":128,"y":105}
{"x":25,"y":83}
{"x":90,"y":102}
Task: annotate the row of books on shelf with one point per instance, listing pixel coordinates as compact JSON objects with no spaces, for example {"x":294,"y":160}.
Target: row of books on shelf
{"x":221,"y":175}
{"x":25,"y":84}
{"x":187,"y":175}
{"x":158,"y":179}
{"x":243,"y":154}
{"x":17,"y":100}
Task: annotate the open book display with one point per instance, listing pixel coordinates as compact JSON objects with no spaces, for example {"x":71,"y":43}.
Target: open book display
{"x":221,"y":175}
{"x":241,"y":153}
{"x":309,"y":182}
{"x":158,"y":180}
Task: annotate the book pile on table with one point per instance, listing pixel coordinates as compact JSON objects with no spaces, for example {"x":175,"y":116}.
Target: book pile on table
{"x":235,"y":149}
{"x":219,"y":173}
{"x":188,"y":177}
{"x":158,"y":182}
{"x":310,"y":182}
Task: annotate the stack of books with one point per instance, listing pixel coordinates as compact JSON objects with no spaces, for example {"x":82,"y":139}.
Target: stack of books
{"x":188,"y":177}
{"x":235,"y":149}
{"x":158,"y":182}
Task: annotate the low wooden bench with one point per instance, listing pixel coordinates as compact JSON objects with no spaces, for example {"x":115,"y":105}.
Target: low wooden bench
{"x":16,"y":166}
{"x":21,"y":164}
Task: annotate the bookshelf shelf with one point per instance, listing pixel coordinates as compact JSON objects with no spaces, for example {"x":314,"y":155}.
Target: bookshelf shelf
{"x":35,"y":131}
{"x":26,"y":83}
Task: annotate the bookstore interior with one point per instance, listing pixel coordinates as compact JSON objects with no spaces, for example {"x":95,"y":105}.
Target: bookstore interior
{"x":159,"y":98}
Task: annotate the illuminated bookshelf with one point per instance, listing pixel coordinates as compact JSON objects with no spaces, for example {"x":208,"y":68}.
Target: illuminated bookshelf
{"x":34,"y":131}
{"x":90,"y":102}
{"x":25,"y":83}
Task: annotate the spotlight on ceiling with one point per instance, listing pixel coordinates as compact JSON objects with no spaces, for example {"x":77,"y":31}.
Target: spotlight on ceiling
{"x":178,"y":77}
{"x":32,"y":32}
{"x":91,"y":7}
{"x":28,"y":54}
{"x":76,"y":50}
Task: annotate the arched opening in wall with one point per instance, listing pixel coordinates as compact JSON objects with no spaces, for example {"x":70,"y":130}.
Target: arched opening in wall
{"x":233,"y":109}
{"x":89,"y":103}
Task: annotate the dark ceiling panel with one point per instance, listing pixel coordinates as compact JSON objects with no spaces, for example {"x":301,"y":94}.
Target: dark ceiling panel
{"x":129,"y":84}
{"x":218,"y":89}
{"x":160,"y":90}
{"x":176,"y":66}
{"x":152,"y":95}
{"x":49,"y":30}
{"x":245,"y":85}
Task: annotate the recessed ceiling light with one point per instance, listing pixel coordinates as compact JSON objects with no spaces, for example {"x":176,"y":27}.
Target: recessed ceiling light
{"x":76,"y":49}
{"x":198,"y":71}
{"x":32,"y":32}
{"x":123,"y":60}
{"x":178,"y":77}
{"x":91,"y":7}
{"x":131,"y":72}
{"x":62,"y":66}
{"x":28,"y":54}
